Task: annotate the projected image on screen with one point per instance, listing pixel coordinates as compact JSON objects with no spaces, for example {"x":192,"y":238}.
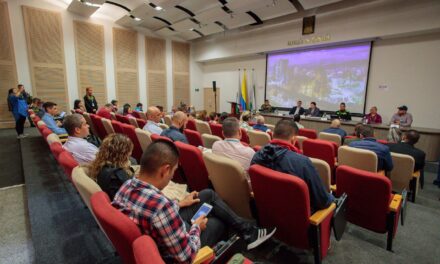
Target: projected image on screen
{"x":327,"y":76}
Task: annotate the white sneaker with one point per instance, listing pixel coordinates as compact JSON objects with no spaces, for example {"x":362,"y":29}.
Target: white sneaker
{"x":259,"y":236}
{"x":22,"y":136}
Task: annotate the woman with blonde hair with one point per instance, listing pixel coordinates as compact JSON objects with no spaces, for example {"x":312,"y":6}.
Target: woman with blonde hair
{"x":111,"y":167}
{"x":245,"y":117}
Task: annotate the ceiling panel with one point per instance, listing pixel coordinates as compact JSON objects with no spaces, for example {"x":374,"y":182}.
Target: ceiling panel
{"x":236,"y":20}
{"x":131,"y":4}
{"x":166,"y":4}
{"x":281,"y":8}
{"x":198,"y":6}
{"x":211,"y":15}
{"x":144,"y":11}
{"x":242,"y":6}
{"x":152,"y":23}
{"x":188,"y":35}
{"x":166,"y":32}
{"x":82,"y":9}
{"x":210,"y":29}
{"x":308,"y":4}
{"x":127,"y":21}
{"x":173,"y":15}
{"x":184,"y":25}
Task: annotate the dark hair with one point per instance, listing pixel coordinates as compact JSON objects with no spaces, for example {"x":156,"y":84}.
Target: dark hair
{"x":138,"y":104}
{"x":296,"y":118}
{"x":285,"y":129}
{"x":160,"y":108}
{"x":212,"y":115}
{"x":48,"y":105}
{"x":10,"y":91}
{"x":36,"y":100}
{"x":113,"y":102}
{"x":246,"y":117}
{"x":342,"y":104}
{"x":357,"y":129}
{"x":76,"y":104}
{"x":412,"y":136}
{"x":230,"y":127}
{"x":20,"y":85}
{"x":366,"y":131}
{"x":157,"y":154}
{"x":313,"y":103}
{"x":71,"y":122}
{"x":125,"y":109}
{"x":222,"y":117}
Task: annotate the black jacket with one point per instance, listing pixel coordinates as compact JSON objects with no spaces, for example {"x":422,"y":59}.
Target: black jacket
{"x":110,"y":179}
{"x":300,"y":112}
{"x":408,"y":149}
{"x":283,"y":160}
{"x":90,"y":104}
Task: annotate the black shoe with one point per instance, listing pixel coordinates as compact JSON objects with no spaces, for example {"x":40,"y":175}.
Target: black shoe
{"x":258,"y":236}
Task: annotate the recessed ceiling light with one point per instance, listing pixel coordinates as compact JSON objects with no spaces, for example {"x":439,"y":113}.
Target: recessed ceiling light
{"x":158,"y":8}
{"x":89,"y":3}
{"x":191,"y":29}
{"x":137,"y":19}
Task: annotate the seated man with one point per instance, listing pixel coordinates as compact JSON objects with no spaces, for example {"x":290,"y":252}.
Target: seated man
{"x":298,"y":109}
{"x":402,"y":117}
{"x":169,"y":222}
{"x":51,"y":110}
{"x":105,"y":111}
{"x":281,"y":155}
{"x":77,"y":128}
{"x":368,"y":142}
{"x":342,"y":113}
{"x":260,"y":124}
{"x":153,"y":119}
{"x":356,"y":134}
{"x":335,"y":128}
{"x":231,"y":147}
{"x":373,"y":117}
{"x":266,"y":107}
{"x":178,"y":123}
{"x":409,"y":139}
{"x":313,"y":110}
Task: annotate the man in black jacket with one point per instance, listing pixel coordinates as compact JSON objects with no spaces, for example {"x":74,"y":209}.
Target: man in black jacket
{"x":406,"y":146}
{"x":90,"y":101}
{"x":298,"y":109}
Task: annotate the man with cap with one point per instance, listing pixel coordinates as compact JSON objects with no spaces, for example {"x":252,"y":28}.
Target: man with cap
{"x":402,"y":117}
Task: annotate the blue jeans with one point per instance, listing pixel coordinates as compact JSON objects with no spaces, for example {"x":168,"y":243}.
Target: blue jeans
{"x":219,"y":219}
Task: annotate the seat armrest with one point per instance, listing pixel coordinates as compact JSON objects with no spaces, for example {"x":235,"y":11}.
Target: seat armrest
{"x":395,"y":203}
{"x":416,"y":174}
{"x":333,"y":188}
{"x":320,"y":215}
{"x":204,"y":254}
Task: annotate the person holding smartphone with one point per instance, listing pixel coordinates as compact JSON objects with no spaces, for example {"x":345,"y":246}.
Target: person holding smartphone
{"x":169,"y":222}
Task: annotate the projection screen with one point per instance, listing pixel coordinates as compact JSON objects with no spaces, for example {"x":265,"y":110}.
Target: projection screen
{"x":326,"y":75}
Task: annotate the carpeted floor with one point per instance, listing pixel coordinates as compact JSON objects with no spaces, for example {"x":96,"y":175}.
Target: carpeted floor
{"x":63,"y":231}
{"x":11,"y":172}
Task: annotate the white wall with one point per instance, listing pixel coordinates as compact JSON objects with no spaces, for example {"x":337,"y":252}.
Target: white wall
{"x":23,"y":69}
{"x":405,"y":54}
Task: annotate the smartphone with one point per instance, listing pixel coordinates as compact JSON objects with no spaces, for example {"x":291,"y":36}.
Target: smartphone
{"x":203,"y":210}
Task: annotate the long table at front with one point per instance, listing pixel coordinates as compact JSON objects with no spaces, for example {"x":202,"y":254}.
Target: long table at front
{"x":429,"y":137}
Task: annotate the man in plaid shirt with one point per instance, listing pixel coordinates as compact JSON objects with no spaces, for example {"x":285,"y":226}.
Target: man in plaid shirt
{"x":167,"y":221}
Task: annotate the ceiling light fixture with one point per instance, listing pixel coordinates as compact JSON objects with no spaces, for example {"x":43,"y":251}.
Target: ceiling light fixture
{"x":89,"y":3}
{"x":158,"y":8}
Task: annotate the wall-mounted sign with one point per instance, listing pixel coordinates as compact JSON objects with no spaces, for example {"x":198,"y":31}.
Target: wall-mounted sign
{"x":308,"y":25}
{"x":316,"y":39}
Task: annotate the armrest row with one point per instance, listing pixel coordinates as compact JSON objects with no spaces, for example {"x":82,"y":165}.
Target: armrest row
{"x":395,"y":203}
{"x":320,"y":215}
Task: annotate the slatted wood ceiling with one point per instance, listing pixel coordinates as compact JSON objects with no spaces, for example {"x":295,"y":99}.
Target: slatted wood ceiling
{"x":8,"y":73}
{"x":125,"y":47}
{"x":156,"y":71}
{"x":181,"y":73}
{"x":90,"y":59}
{"x":44,"y":37}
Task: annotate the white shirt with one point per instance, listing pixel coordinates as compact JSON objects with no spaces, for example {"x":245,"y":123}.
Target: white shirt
{"x":82,"y":151}
{"x":153,"y":128}
{"x":232,"y":148}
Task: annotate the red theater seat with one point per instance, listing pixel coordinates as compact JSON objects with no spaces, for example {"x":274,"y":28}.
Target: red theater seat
{"x":370,"y":203}
{"x":68,"y":163}
{"x":293,"y":220}
{"x":146,"y":252}
{"x":130,"y":132}
{"x":217,"y":130}
{"x":191,"y":161}
{"x":56,"y":148}
{"x":244,"y":136}
{"x":321,"y":149}
{"x":121,"y":231}
{"x":102,"y":132}
{"x":193,"y":137}
{"x":310,"y":133}
{"x":117,"y":127}
{"x":191,"y":125}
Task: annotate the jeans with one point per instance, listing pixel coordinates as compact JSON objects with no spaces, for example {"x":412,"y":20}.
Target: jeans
{"x":220,"y":217}
{"x":19,"y":125}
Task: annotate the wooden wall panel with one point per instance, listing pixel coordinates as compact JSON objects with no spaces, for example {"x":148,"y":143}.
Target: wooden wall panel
{"x":181,"y":91}
{"x":125,"y":47}
{"x":44,"y":37}
{"x":156,"y":71}
{"x":8,"y":73}
{"x":90,"y":59}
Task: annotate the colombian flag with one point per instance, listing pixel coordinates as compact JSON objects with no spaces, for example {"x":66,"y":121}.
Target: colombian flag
{"x":243,"y":92}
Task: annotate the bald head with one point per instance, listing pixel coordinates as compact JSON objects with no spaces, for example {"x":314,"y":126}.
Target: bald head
{"x":336,"y":123}
{"x":179,"y":119}
{"x":153,"y":114}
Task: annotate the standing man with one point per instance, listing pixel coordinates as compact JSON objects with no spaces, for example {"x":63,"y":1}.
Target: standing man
{"x":342,"y":113}
{"x":19,"y":109}
{"x":90,"y":101}
{"x":402,"y":117}
{"x":298,"y":109}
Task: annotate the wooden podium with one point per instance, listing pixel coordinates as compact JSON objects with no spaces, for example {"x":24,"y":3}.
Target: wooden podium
{"x":234,"y":111}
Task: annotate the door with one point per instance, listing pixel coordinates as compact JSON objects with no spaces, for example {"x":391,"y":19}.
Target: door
{"x":208,"y":96}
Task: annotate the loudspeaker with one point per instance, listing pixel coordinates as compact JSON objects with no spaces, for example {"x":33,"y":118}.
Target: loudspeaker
{"x":214,"y":88}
